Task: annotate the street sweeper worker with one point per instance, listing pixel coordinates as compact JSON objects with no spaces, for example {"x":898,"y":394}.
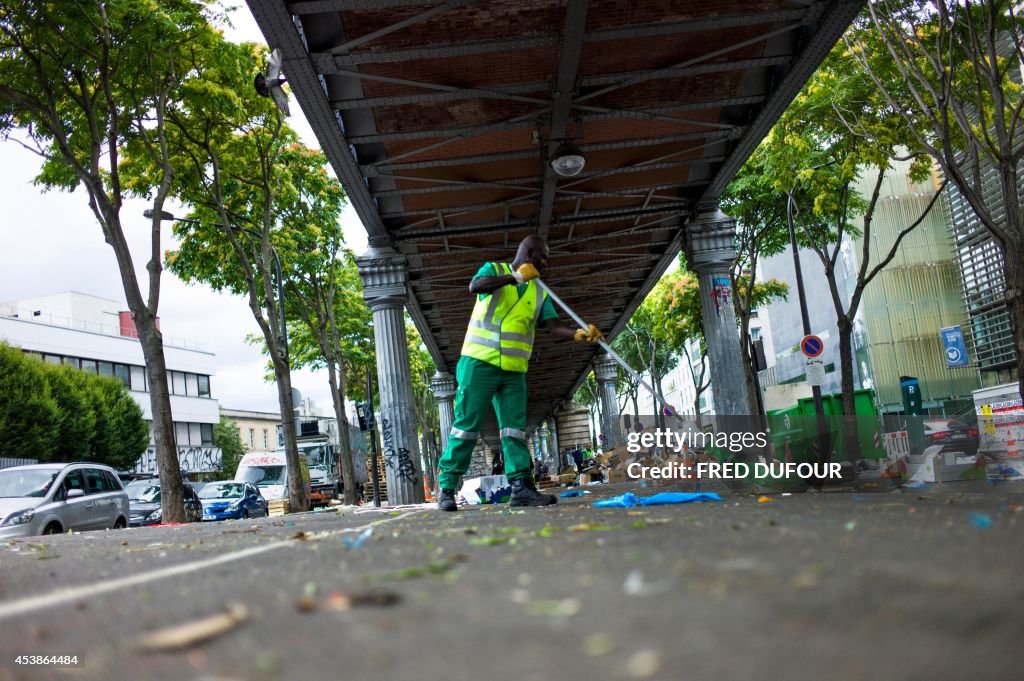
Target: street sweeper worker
{"x":492,"y":370}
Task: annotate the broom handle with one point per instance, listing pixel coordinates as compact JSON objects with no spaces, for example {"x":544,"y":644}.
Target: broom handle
{"x":607,"y":348}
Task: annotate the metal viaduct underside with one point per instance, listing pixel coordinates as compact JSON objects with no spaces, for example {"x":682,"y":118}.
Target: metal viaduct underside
{"x":439,"y":118}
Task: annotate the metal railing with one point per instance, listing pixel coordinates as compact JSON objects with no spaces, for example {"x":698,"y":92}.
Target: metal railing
{"x":39,"y":317}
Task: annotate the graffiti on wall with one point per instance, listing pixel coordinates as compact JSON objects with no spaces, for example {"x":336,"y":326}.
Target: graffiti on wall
{"x":397,"y":459}
{"x":191,"y":460}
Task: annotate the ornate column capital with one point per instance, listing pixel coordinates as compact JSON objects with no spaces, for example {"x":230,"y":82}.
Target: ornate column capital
{"x":443,"y":386}
{"x":605,"y":368}
{"x":711,"y":242}
{"x":383,"y":272}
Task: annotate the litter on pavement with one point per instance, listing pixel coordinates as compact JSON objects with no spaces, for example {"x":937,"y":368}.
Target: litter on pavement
{"x":628,"y":500}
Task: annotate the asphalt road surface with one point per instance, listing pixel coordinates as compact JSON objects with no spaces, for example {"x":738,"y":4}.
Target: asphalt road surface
{"x":877,"y":584}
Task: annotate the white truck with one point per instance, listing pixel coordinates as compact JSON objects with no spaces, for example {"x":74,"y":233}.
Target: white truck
{"x":318,"y":440}
{"x":324,"y":473}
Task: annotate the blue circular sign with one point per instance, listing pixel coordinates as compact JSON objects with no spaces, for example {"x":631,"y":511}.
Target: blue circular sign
{"x":812,"y":346}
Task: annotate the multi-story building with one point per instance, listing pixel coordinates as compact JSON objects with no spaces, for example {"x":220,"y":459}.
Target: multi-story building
{"x":984,"y":282}
{"x":912,"y":299}
{"x":897,"y":327}
{"x":97,"y":335}
{"x":258,"y":429}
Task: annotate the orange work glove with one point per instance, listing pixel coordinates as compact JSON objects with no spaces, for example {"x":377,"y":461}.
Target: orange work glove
{"x":525,"y":273}
{"x":589,"y":335}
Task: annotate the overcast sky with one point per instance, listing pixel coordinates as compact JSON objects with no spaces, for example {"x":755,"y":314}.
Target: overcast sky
{"x":52,"y":243}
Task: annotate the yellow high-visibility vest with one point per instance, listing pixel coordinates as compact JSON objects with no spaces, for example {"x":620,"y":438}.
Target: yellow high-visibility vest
{"x":503,"y":323}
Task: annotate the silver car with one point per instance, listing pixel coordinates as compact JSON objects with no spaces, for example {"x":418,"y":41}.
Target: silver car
{"x":52,"y":498}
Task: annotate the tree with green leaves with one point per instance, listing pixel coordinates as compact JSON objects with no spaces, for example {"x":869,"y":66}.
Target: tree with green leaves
{"x":56,"y":413}
{"x":228,"y":439}
{"x":950,"y":72}
{"x":680,"y":297}
{"x":83,"y":83}
{"x":121,"y":434}
{"x":29,"y":415}
{"x":324,"y":291}
{"x":587,"y":395}
{"x":239,"y":165}
{"x":71,"y":390}
{"x":647,"y":342}
{"x":761,"y":232}
{"x":836,"y":129}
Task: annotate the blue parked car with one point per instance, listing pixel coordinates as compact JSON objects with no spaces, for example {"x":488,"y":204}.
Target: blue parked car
{"x":231,"y":500}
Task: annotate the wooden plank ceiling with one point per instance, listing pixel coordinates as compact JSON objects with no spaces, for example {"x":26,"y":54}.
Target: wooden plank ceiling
{"x":440,"y":117}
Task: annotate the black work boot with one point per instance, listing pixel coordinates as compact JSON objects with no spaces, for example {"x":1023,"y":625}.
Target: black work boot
{"x":524,"y":493}
{"x":446,"y":500}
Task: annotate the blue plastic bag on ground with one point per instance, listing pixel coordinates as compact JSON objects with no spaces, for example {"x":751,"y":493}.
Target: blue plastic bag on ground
{"x":678,"y":498}
{"x":628,"y":500}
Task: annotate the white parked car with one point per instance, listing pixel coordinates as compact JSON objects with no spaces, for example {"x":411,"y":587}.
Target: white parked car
{"x":52,"y":498}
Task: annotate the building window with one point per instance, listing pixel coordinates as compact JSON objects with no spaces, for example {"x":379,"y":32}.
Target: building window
{"x":754,"y":314}
{"x":71,"y":361}
{"x":89,"y":365}
{"x":192,"y":385}
{"x":138,"y":378}
{"x":266,"y":439}
{"x":106,"y":368}
{"x":181,"y":434}
{"x":123,"y":372}
{"x":195,"y":434}
{"x":51,"y":359}
{"x":204,"y":386}
{"x":207,"y":434}
{"x":755,"y":333}
{"x":252,"y":438}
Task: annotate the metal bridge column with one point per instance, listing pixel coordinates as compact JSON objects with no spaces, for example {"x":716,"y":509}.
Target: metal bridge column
{"x":606,"y":371}
{"x":710,"y":251}
{"x":383,"y":273}
{"x":443,"y":386}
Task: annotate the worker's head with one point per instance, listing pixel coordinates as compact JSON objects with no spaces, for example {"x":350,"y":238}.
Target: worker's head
{"x":534,"y":250}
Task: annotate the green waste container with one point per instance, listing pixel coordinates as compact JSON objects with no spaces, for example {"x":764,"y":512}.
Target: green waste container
{"x":799,"y":430}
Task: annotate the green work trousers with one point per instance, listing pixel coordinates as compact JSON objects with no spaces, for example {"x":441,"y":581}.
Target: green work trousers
{"x":481,"y":385}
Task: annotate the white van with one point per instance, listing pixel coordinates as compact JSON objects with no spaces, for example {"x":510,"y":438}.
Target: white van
{"x":269,"y":472}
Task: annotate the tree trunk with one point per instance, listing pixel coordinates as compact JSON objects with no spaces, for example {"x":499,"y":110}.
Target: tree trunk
{"x":851,"y":438}
{"x":1014,"y":262}
{"x":172,"y":501}
{"x":429,"y":449}
{"x":298,"y":499}
{"x":659,"y":401}
{"x":748,"y":374}
{"x":348,"y":471}
{"x":172,"y":497}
